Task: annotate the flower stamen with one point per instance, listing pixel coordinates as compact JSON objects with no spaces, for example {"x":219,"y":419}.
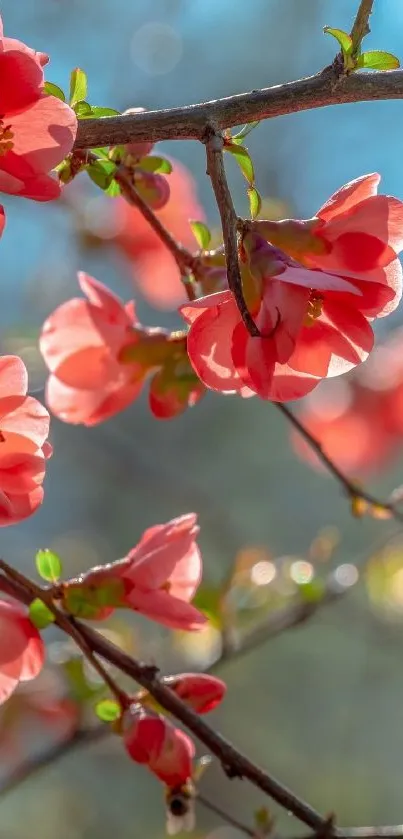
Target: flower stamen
{"x":314,"y":310}
{"x":6,"y":138}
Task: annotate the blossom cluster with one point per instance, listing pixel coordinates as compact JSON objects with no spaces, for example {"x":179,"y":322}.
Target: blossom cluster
{"x":312,"y":287}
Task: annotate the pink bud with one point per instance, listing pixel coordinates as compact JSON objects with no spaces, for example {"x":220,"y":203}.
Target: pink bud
{"x":152,"y":740}
{"x":199,"y":691}
{"x":154,"y":189}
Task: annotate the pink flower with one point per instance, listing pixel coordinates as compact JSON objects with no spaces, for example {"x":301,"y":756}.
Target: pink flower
{"x":22,"y":650}
{"x":313,"y":325}
{"x":157,"y":578}
{"x":356,"y":233}
{"x":24,"y":427}
{"x":199,"y":691}
{"x":99,"y":357}
{"x":36,"y":130}
{"x":80,"y":343}
{"x":152,"y":740}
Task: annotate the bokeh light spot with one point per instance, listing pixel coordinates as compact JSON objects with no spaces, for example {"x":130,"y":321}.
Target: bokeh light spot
{"x":156,"y":48}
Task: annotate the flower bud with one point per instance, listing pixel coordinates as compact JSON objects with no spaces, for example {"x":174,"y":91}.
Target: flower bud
{"x":199,"y":691}
{"x":152,"y":740}
{"x":154,"y":189}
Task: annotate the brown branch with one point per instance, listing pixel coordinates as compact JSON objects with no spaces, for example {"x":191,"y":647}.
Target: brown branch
{"x":185,"y":261}
{"x":216,"y":171}
{"x":279,"y":621}
{"x":67,"y":624}
{"x":360,"y":26}
{"x":226,"y":817}
{"x":234,"y":763}
{"x":353,"y":490}
{"x":190,"y":122}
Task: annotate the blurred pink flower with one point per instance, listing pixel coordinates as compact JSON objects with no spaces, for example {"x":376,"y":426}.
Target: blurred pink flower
{"x":22,"y":651}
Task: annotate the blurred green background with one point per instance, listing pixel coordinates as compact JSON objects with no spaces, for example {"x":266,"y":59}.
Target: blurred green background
{"x":321,"y":706}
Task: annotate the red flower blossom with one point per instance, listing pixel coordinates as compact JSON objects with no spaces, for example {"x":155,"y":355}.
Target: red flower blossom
{"x":152,"y":740}
{"x":313,"y":325}
{"x":356,"y":233}
{"x":80,"y":343}
{"x":157,"y":578}
{"x":36,"y":130}
{"x":200,"y":691}
{"x":154,"y":269}
{"x":99,"y":357}
{"x":24,"y":427}
{"x":22,"y":650}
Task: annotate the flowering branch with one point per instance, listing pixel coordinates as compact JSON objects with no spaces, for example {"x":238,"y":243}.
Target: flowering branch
{"x":234,"y":763}
{"x":282,"y":619}
{"x":67,"y":624}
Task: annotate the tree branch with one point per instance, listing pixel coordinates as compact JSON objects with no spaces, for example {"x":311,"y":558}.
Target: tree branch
{"x":353,"y":490}
{"x":288,"y":617}
{"x":360,"y":26}
{"x":234,"y":763}
{"x":216,"y":171}
{"x":190,"y":122}
{"x":185,"y":261}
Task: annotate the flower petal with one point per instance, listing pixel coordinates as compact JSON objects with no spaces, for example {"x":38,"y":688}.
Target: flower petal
{"x":13,"y":376}
{"x":209,"y":342}
{"x":44,"y":133}
{"x":163,"y":608}
{"x":349,"y":195}
{"x":21,"y":79}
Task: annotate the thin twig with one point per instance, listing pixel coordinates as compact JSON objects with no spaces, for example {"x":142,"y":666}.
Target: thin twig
{"x":288,"y":617}
{"x":351,"y":488}
{"x":225,"y":816}
{"x":190,"y":122}
{"x":216,"y":171}
{"x":69,"y":625}
{"x":360,"y":26}
{"x":234,"y":762}
{"x":185,"y":261}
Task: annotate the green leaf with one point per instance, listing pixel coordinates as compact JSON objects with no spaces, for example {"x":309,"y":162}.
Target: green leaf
{"x":48,"y":565}
{"x":108,"y":710}
{"x":39,"y":614}
{"x":102,"y":172}
{"x":208,"y":600}
{"x":343,"y":39}
{"x":243,"y":160}
{"x":102,"y":152}
{"x":239,"y":138}
{"x":113,"y":190}
{"x":54,"y":90}
{"x":157,"y":165}
{"x":201,"y":233}
{"x":255,"y":201}
{"x":79,"y":687}
{"x":377,"y":60}
{"x":82,"y":109}
{"x":97,"y":111}
{"x":78,"y":86}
